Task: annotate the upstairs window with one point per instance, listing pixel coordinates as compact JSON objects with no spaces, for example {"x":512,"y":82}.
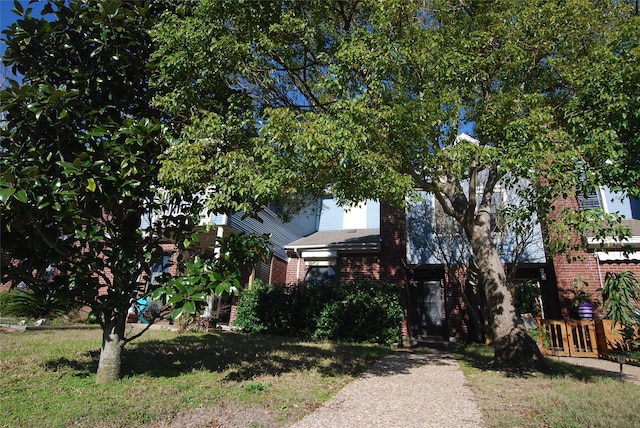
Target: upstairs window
{"x":591,"y":200}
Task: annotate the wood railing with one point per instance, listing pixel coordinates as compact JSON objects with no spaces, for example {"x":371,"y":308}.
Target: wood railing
{"x":568,"y":338}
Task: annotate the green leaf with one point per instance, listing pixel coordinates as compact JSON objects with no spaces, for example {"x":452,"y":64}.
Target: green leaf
{"x":6,"y":193}
{"x":190,"y":307}
{"x":177,"y":312}
{"x":21,"y":195}
{"x":91,"y":185}
{"x":18,"y":7}
{"x":200,"y":297}
{"x":176,"y":298}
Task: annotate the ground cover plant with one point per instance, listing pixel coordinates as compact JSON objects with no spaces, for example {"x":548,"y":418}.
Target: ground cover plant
{"x":203,"y":379}
{"x":560,"y":396}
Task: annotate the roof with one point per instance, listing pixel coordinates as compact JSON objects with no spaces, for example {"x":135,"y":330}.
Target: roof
{"x":612,"y":243}
{"x":341,"y":240}
{"x":634,"y":225}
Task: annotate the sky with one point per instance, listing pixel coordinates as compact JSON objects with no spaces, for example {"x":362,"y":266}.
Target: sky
{"x":7,"y":17}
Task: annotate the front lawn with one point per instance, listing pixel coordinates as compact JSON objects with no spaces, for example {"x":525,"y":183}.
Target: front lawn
{"x":237,"y":380}
{"x":562,"y":396}
{"x":200,"y":379}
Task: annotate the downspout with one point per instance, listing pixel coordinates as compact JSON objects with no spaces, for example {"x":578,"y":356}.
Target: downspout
{"x":297,"y":268}
{"x":599,"y":271}
{"x":271,"y":271}
{"x":210,"y":299}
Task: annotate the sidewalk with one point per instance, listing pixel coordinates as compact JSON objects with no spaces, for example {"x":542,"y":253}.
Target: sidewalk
{"x":610,"y":368}
{"x":421,"y":388}
{"x":416,"y":388}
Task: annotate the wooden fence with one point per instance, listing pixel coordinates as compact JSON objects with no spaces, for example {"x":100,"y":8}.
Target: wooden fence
{"x":568,"y":338}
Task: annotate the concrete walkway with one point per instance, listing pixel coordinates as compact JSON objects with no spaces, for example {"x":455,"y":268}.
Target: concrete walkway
{"x":419,"y":388}
{"x":411,"y":389}
{"x":610,"y":368}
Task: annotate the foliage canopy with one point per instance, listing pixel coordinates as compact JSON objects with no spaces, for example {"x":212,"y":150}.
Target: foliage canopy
{"x":368,"y":99}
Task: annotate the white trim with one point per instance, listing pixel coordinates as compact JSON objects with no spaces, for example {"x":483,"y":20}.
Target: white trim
{"x":634,"y":241}
{"x":603,"y":199}
{"x":617,"y":256}
{"x":322,"y":263}
{"x":328,"y":254}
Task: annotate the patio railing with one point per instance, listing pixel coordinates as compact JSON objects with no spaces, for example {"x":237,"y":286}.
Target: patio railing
{"x":568,"y":338}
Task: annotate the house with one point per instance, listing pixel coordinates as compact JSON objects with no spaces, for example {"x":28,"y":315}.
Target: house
{"x":376,"y":241}
{"x":602,"y":255}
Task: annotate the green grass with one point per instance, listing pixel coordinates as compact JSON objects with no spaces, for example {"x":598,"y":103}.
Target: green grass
{"x":562,"y":396}
{"x":48,"y":378}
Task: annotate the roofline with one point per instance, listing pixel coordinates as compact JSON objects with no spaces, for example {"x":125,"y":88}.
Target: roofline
{"x":369,"y":247}
{"x":612,"y":243}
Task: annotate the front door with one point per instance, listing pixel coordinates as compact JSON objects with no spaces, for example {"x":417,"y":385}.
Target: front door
{"x":427,"y":314}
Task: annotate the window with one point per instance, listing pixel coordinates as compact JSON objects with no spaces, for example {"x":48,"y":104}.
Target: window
{"x":590,"y":200}
{"x":320,"y":274}
{"x":159,"y":269}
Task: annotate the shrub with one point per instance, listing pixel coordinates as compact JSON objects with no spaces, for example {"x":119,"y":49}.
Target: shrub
{"x":5,"y":297}
{"x":367,"y":311}
{"x":34,"y":305}
{"x":621,"y":296}
{"x":264,"y":309}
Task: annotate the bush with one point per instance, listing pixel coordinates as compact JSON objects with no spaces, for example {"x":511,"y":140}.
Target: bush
{"x":5,"y":297}
{"x":367,"y":311}
{"x":31,"y":305}
{"x":263,"y":309}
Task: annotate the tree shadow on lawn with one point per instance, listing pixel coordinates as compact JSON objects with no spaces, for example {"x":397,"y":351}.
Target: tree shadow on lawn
{"x":79,"y":368}
{"x":246,"y":356}
{"x":241,"y":356}
{"x":481,"y":357}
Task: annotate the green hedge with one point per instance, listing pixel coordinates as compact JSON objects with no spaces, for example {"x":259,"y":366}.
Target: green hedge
{"x":366,"y":311}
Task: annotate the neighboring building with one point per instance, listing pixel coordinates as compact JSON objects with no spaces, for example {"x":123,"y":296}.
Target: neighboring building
{"x":602,"y":255}
{"x":421,"y":250}
{"x":376,"y":241}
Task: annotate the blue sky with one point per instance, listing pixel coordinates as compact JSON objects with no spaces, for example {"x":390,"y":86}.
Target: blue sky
{"x":7,"y":17}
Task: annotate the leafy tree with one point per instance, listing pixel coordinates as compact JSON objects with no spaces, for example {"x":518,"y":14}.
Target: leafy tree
{"x":439,"y":237}
{"x":80,"y":159}
{"x":215,"y":272}
{"x":368,"y":98}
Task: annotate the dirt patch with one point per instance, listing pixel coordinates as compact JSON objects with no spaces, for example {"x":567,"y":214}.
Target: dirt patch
{"x":10,"y":330}
{"x":224,"y":415}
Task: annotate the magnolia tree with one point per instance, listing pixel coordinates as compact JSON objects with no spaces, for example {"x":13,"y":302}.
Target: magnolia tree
{"x":212,"y":272}
{"x":81,"y":151}
{"x":366,"y":99}
{"x":79,"y":159}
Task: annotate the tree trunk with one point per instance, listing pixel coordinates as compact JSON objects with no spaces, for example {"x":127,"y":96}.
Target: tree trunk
{"x":111,"y":351}
{"x":513,"y":346}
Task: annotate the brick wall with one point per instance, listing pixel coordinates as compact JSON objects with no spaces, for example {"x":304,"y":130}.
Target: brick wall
{"x":583,"y":265}
{"x":353,"y":267}
{"x":296,"y":271}
{"x":279,"y":270}
{"x":393,"y":252}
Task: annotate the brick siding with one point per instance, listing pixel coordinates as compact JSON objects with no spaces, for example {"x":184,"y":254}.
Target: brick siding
{"x":584,"y":265}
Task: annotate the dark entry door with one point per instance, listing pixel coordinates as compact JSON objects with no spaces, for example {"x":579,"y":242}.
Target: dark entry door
{"x":427,"y":311}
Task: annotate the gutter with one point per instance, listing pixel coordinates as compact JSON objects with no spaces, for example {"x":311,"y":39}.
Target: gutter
{"x":365,"y":246}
